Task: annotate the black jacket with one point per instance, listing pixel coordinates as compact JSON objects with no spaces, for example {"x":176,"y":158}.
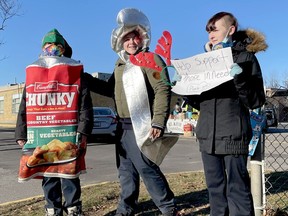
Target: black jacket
{"x":224,"y":123}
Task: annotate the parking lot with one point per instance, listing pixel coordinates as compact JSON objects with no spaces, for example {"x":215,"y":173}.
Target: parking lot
{"x":100,"y":164}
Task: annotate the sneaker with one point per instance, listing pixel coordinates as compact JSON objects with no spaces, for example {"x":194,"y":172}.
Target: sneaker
{"x":74,"y":211}
{"x":50,"y":212}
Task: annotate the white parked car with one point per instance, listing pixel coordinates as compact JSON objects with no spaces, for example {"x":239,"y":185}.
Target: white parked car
{"x":105,"y":121}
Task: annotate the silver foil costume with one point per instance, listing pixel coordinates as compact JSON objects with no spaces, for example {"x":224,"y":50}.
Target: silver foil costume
{"x":129,"y":20}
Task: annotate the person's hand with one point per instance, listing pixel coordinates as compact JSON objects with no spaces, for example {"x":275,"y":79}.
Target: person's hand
{"x":81,"y":140}
{"x":155,"y":133}
{"x":177,"y":77}
{"x":21,"y":143}
{"x":235,"y":69}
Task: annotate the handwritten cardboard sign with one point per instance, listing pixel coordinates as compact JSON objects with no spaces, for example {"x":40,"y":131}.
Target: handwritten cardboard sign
{"x":203,"y":72}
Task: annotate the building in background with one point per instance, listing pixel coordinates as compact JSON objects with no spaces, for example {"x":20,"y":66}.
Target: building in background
{"x":100,"y":100}
{"x":276,"y":100}
{"x":10,"y":97}
{"x":102,"y":76}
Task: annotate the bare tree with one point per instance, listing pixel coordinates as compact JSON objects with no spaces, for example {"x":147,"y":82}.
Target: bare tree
{"x":277,"y":81}
{"x":8,"y":9}
{"x":285,"y":79}
{"x":273,"y":81}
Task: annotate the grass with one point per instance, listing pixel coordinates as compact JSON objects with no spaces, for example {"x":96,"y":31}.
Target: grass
{"x":101,"y":199}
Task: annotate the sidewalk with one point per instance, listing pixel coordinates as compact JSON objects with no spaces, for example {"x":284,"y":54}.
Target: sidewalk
{"x":7,"y":129}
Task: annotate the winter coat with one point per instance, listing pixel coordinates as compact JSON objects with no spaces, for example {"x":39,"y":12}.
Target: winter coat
{"x":224,"y":123}
{"x":158,"y":92}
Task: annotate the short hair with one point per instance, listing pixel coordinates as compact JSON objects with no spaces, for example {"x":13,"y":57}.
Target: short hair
{"x":229,"y":17}
{"x":135,"y":32}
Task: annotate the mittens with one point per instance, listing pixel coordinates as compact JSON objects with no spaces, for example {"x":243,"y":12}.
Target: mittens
{"x":235,"y":69}
{"x":177,"y":77}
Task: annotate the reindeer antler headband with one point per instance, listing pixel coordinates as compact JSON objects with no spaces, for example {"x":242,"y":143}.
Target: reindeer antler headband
{"x":146,"y":59}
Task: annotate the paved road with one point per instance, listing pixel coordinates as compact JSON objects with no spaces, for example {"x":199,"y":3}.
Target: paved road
{"x":100,"y":162}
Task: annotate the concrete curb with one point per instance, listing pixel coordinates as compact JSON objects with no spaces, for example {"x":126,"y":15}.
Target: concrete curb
{"x":85,"y":186}
{"x":42,"y":196}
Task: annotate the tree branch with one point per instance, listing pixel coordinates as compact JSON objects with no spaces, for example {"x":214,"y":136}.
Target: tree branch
{"x":8,"y":9}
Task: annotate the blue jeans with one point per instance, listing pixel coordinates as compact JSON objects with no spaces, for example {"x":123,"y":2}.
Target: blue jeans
{"x":131,"y":165}
{"x":53,"y":188}
{"x":228,"y":185}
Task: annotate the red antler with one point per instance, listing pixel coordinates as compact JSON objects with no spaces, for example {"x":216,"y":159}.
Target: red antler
{"x":145,"y":59}
{"x":165,"y":49}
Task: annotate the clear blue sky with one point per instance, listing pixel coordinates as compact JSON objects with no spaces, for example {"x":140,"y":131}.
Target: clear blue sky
{"x":87,"y":27}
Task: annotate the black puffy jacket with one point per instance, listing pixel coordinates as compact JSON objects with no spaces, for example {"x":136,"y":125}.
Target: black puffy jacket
{"x":224,"y":123}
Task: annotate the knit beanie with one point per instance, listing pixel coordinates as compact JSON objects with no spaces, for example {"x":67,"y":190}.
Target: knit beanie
{"x":53,"y":36}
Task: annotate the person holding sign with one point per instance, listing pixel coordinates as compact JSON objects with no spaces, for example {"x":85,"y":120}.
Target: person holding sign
{"x":223,"y":128}
{"x":55,"y":117}
{"x":142,"y":102}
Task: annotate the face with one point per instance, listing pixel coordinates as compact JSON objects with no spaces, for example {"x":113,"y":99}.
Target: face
{"x":49,"y":44}
{"x":222,"y":29}
{"x":131,"y":43}
{"x":52,"y":49}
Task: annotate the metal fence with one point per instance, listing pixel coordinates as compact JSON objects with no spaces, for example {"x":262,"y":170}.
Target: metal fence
{"x":276,"y":152}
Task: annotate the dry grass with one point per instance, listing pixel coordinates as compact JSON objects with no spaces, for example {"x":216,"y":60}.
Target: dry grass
{"x":101,"y":199}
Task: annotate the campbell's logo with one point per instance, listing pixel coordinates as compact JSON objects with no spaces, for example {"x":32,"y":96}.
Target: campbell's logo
{"x":46,"y":86}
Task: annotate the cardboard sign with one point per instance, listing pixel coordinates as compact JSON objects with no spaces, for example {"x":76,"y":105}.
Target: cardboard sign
{"x":203,"y":72}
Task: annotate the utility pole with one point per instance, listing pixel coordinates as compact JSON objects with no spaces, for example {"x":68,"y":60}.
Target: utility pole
{"x":257,"y":176}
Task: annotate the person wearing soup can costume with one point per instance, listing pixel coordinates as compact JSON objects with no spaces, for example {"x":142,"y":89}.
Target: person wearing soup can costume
{"x":143,"y":103}
{"x":54,"y":120}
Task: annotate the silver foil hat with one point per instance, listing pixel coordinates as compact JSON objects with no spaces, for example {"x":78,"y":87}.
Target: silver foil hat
{"x":130,"y":19}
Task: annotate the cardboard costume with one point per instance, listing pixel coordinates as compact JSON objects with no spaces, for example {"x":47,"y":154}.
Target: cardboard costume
{"x":52,"y":92}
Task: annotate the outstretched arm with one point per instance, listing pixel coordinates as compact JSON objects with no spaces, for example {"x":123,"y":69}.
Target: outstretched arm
{"x":99,"y":86}
{"x":21,"y":124}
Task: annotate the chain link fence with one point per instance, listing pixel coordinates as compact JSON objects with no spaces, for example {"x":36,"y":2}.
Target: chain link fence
{"x":276,"y":152}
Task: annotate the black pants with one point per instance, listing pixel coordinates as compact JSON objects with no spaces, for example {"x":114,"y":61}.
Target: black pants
{"x":53,"y":188}
{"x":228,"y":185}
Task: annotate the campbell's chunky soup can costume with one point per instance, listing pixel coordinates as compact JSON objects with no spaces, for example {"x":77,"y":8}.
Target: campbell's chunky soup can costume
{"x":52,"y":148}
